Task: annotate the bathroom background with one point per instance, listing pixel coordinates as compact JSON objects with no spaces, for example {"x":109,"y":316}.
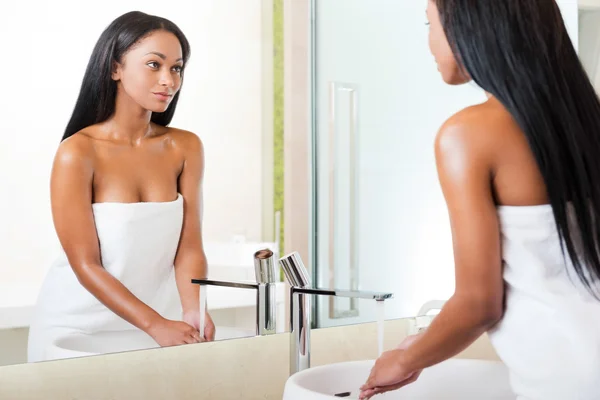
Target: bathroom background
{"x":268,"y":153}
{"x":231,"y":98}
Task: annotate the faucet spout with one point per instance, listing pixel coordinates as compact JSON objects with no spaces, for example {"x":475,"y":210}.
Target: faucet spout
{"x":300,"y":296}
{"x":351,"y":294}
{"x":265,"y":286}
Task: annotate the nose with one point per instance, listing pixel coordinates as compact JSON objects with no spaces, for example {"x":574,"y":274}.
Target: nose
{"x":166,"y":79}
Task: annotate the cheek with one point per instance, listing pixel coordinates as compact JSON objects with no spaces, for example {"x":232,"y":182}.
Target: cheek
{"x":436,"y":45}
{"x":136,"y":81}
{"x":442,"y":53}
{"x":177,"y":81}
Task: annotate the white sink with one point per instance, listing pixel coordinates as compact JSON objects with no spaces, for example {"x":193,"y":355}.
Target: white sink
{"x":453,"y":379}
{"x":82,"y":345}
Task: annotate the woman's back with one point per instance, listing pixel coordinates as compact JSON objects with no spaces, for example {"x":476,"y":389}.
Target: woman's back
{"x":549,"y":335}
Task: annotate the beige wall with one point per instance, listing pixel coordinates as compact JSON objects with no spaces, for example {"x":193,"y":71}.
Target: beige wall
{"x":589,"y":44}
{"x":296,"y":127}
{"x":296,"y":143}
{"x":249,"y":369}
{"x":13,"y":346}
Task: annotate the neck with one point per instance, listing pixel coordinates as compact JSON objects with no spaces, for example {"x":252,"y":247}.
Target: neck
{"x":130,"y":122}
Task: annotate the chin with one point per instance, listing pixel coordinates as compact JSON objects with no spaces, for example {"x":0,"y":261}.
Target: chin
{"x":451,"y":73}
{"x":159,"y":109}
{"x":451,"y":81}
{"x":454,"y":79}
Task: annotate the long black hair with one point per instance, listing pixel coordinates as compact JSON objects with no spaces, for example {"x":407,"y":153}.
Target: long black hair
{"x":96,"y":101}
{"x":521,"y":53}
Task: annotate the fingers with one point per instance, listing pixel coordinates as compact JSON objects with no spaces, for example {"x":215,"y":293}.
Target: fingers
{"x":383,"y":389}
{"x":367,"y":394}
{"x":189,"y":339}
{"x":209,"y":332}
{"x":369,"y":390}
{"x":196,"y":336}
{"x":192,"y":335}
{"x":367,"y":385}
{"x":370,"y":383}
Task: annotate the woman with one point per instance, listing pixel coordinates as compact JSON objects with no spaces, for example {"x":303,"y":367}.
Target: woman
{"x":521,"y":178}
{"x":126,"y":194}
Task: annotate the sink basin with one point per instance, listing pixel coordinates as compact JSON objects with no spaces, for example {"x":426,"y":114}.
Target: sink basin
{"x":451,"y":379}
{"x":82,"y":345}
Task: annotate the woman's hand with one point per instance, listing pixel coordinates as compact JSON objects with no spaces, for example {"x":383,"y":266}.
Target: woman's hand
{"x":166,"y":333}
{"x":193,"y":318}
{"x":388,"y":373}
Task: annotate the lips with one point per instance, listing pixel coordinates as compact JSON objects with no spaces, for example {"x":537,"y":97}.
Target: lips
{"x":163,"y":96}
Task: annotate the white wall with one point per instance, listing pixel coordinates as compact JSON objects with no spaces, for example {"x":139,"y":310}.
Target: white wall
{"x":46,"y":47}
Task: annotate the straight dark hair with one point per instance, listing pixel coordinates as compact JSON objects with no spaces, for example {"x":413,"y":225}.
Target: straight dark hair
{"x":96,"y":101}
{"x":521,"y":53}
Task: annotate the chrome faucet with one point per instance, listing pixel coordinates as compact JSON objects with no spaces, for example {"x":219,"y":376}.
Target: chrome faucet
{"x":300,"y":291}
{"x":266,"y":305}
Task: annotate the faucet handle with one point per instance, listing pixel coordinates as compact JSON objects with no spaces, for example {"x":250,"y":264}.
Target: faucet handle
{"x":263,"y":266}
{"x":294,"y":270}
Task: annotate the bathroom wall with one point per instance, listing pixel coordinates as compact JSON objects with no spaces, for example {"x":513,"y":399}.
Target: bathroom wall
{"x":297,"y":170}
{"x":412,"y":283}
{"x":589,"y":43}
{"x":249,"y":369}
{"x":13,"y":346}
{"x":221,"y":101}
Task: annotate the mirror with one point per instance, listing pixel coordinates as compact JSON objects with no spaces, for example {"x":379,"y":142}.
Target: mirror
{"x":380,"y":222}
{"x":231,"y":99}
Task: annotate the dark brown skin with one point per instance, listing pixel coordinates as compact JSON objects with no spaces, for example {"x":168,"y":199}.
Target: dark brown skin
{"x":483,"y":160}
{"x":129,"y":159}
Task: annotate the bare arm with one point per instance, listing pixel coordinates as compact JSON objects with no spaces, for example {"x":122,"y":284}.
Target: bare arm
{"x":71,"y":198}
{"x":190,"y":262}
{"x":465,"y":166}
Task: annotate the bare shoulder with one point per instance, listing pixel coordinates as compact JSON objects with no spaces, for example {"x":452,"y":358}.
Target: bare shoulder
{"x":474,"y":132}
{"x":187,"y":142}
{"x":73,"y":170}
{"x":191,"y":150}
{"x":77,"y":150}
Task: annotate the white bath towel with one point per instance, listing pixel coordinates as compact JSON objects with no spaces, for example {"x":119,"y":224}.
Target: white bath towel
{"x":138,"y":244}
{"x":549,"y":336}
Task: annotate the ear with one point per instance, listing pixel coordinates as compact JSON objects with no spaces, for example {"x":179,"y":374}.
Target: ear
{"x":116,"y":71}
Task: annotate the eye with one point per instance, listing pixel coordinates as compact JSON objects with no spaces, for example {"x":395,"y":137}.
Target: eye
{"x":178,"y":68}
{"x":152,"y":64}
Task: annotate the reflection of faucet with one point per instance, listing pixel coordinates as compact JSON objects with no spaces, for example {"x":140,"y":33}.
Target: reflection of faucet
{"x":297,"y":276}
{"x":266,"y":310}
